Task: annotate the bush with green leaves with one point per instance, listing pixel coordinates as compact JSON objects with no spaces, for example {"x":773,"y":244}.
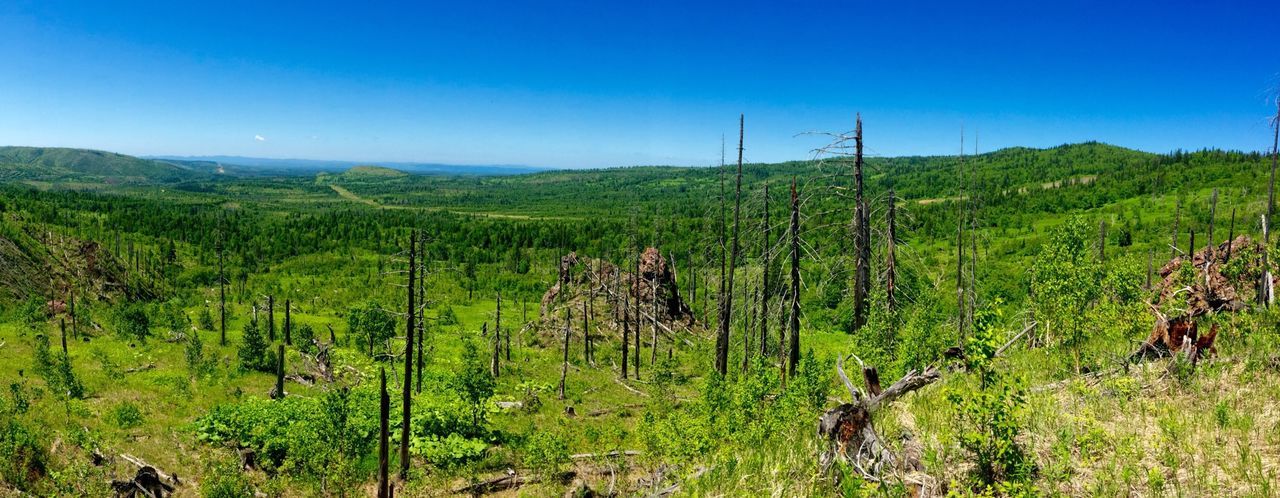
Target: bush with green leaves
{"x":126,"y":415}
{"x":546,"y":452}
{"x":56,"y":370}
{"x":1064,"y":281}
{"x":132,"y":322}
{"x":253,"y":352}
{"x":370,"y":324}
{"x":990,"y":415}
{"x":193,"y":351}
{"x":26,"y":456}
{"x":206,"y":319}
{"x":473,"y":383}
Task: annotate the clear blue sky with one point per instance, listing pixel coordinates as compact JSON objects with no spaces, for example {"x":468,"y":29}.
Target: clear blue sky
{"x":605,"y":83}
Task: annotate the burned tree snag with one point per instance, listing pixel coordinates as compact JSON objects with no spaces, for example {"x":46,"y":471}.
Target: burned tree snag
{"x":278,"y":392}
{"x":653,"y":342}
{"x":564,"y":365}
{"x":794,"y":356}
{"x":848,"y":430}
{"x":271,"y":319}
{"x":406,"y":399}
{"x":1275,"y":156}
{"x":1191,"y":245}
{"x":1213,"y":213}
{"x":1177,"y":217}
{"x":861,"y":236}
{"x":626,"y":329}
{"x":288,"y":323}
{"x":890,"y":262}
{"x":1231,"y":235}
{"x":222,"y":293}
{"x":586,"y":335}
{"x":384,"y":415}
{"x":764,"y":277}
{"x":635,"y":355}
{"x":62,"y":326}
{"x":726,"y":308}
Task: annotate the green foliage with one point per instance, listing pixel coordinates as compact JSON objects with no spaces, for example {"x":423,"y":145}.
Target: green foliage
{"x":206,"y":319}
{"x":132,"y":322}
{"x":194,"y":354}
{"x":226,"y":481}
{"x":26,"y":455}
{"x":473,"y":382}
{"x":546,"y":452}
{"x":989,"y":417}
{"x":56,"y":370}
{"x":253,"y":352}
{"x":371,"y":324}
{"x":447,"y":316}
{"x":126,"y":415}
{"x":1064,"y":281}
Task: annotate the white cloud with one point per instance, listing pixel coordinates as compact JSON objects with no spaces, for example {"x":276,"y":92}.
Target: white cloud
{"x":260,"y":138}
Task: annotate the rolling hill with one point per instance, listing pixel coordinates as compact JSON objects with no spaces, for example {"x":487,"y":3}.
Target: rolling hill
{"x":55,"y":164}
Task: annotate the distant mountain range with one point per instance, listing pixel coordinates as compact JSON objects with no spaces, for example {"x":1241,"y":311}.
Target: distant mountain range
{"x":310,"y":166}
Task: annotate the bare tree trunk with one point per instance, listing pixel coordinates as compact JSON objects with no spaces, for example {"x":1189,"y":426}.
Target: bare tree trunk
{"x":636,"y":286}
{"x":1177,"y":217}
{"x":1275,"y":156}
{"x":726,"y":301}
{"x":406,"y":398}
{"x":1231,"y":235}
{"x":1213,"y":213}
{"x":279,"y":392}
{"x":271,"y":319}
{"x":288,"y":323}
{"x":1191,"y":246}
{"x":862,"y":237}
{"x":890,"y":263}
{"x":794,"y":356}
{"x":564,"y":365}
{"x":626,"y":327}
{"x":653,"y":342}
{"x":422,"y":309}
{"x":764,"y":277}
{"x":62,"y":326}
{"x":960,"y":215}
{"x":384,"y":412}
{"x":222,"y":293}
{"x":586,"y":335}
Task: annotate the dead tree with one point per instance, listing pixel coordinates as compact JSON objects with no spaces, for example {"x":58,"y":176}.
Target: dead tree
{"x":890,"y":261}
{"x":271,"y":319}
{"x":794,"y":356}
{"x":636,"y":352}
{"x":726,"y":308}
{"x":222,"y":293}
{"x":960,"y":244}
{"x":278,"y":392}
{"x":626,"y":328}
{"x":1275,"y":156}
{"x":1177,"y":217}
{"x":288,"y":322}
{"x":653,"y":341}
{"x":384,"y":415}
{"x":422,"y":310}
{"x":1213,"y":212}
{"x":406,"y":398}
{"x":62,"y":326}
{"x":861,"y":236}
{"x":564,"y":365}
{"x":586,"y":334}
{"x":764,"y":276}
{"x":848,"y":430}
{"x":1231,"y":235}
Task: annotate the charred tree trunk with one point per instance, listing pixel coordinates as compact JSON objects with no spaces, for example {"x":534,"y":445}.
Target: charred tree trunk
{"x":278,"y":393}
{"x":564,"y":365}
{"x":384,"y":416}
{"x":764,"y":277}
{"x":271,"y":319}
{"x":1231,"y":235}
{"x":62,"y":326}
{"x":890,"y":261}
{"x":222,"y":294}
{"x":288,"y":322}
{"x":1177,"y":218}
{"x":653,"y":341}
{"x":586,"y":335}
{"x":862,"y":236}
{"x":406,"y":398}
{"x":1213,"y":213}
{"x":626,"y":329}
{"x":794,"y":356}
{"x":726,"y":308}
{"x":636,"y":286}
{"x":422,"y":310}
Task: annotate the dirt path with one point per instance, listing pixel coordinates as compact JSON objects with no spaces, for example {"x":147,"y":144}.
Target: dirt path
{"x":347,"y":194}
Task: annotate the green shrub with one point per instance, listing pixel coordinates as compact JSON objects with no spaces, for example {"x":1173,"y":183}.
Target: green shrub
{"x":132,"y":322}
{"x":126,"y":415}
{"x":253,"y":351}
{"x":546,"y":452}
{"x":26,"y":457}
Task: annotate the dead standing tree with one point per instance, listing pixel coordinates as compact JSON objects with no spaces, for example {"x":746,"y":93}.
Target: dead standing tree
{"x":861,"y":236}
{"x":406,"y":396}
{"x":793,"y":356}
{"x":384,"y":415}
{"x":726,"y":302}
{"x":890,"y":263}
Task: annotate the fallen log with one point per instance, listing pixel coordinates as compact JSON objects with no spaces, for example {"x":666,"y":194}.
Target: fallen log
{"x":608,"y":454}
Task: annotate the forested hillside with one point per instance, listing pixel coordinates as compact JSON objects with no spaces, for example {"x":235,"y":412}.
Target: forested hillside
{"x":1079,"y":320}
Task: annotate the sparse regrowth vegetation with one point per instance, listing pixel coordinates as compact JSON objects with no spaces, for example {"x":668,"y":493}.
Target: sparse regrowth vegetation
{"x":1036,"y":335}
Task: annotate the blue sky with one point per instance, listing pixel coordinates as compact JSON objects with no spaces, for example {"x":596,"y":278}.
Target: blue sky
{"x":601,"y":83}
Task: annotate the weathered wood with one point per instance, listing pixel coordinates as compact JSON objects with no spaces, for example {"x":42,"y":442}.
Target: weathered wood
{"x":765,"y":247}
{"x":384,"y":412}
{"x":726,"y":309}
{"x":278,"y":391}
{"x":406,"y":398}
{"x":793,"y":358}
{"x":862,"y":236}
{"x":564,"y":365}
